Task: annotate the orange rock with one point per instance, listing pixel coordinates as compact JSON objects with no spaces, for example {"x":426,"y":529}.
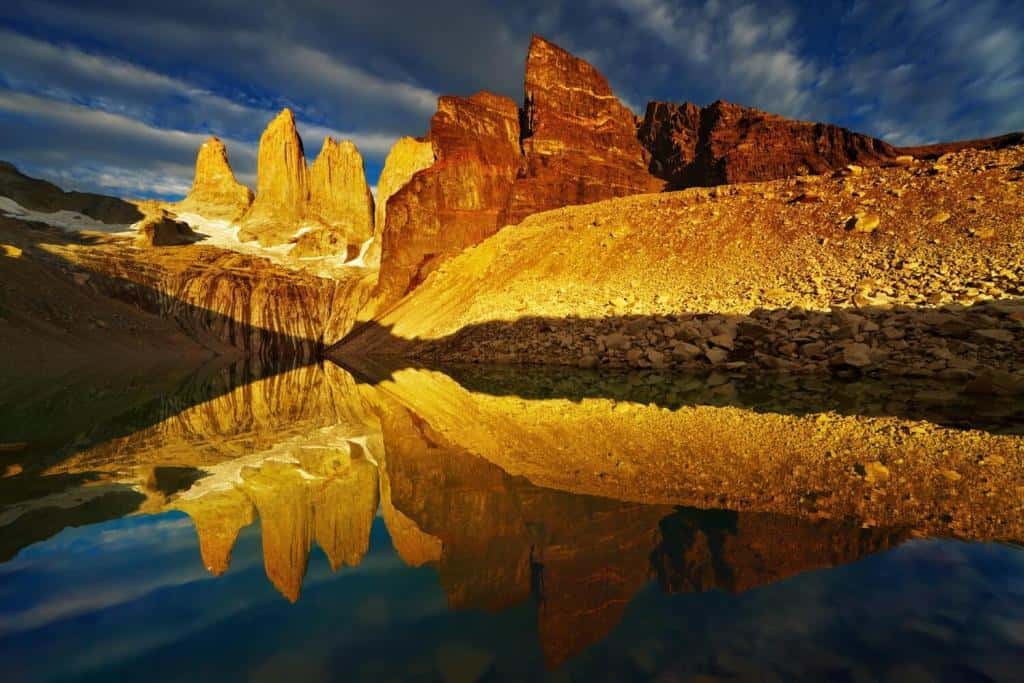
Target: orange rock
{"x":215,"y":193}
{"x":579,"y":141}
{"x":282,"y":185}
{"x":339,"y":197}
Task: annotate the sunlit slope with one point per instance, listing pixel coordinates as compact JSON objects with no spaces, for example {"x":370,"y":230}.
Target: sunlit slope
{"x":929,"y":233}
{"x":881,"y":471}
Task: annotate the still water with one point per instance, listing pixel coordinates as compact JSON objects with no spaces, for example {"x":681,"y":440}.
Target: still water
{"x":407,"y":524}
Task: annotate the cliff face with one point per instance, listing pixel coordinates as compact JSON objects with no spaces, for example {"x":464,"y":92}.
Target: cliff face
{"x":281,"y":184}
{"x":578,"y":145}
{"x":579,"y":141}
{"x":339,"y":198}
{"x":228,"y":301}
{"x":215,"y":192}
{"x":727,"y":143}
{"x":456,"y":202}
{"x":407,"y":157}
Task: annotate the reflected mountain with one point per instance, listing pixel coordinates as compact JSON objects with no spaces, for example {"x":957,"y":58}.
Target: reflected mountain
{"x":571,"y":505}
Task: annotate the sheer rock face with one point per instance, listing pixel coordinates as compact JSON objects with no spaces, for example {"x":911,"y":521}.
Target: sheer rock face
{"x":231,"y":301}
{"x":459,"y":200}
{"x":407,"y":157}
{"x":579,"y":145}
{"x":282,"y":185}
{"x":579,"y":140}
{"x":339,"y":197}
{"x":215,"y":192}
{"x":727,"y":143}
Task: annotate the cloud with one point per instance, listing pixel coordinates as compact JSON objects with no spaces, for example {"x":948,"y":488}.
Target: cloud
{"x":917,"y":71}
{"x":91,"y":149}
{"x":751,"y":53}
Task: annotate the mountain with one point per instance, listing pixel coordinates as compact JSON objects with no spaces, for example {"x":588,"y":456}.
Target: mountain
{"x":292,"y":272}
{"x":38,"y":195}
{"x":324,"y":210}
{"x":282,"y":186}
{"x":726,"y":143}
{"x":572,"y":143}
{"x":215,"y":192}
{"x":340,"y":199}
{"x":902,"y":270}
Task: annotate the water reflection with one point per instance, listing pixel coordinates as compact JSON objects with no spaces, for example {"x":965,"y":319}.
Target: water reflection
{"x":565,"y":508}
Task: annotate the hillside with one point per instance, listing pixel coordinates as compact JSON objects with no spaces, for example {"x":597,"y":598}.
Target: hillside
{"x":862,"y":269}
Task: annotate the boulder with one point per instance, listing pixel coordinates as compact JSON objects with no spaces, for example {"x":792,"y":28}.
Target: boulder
{"x":161,"y":229}
{"x":215,"y":192}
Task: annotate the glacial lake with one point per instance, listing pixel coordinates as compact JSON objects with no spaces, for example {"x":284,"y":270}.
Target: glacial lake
{"x":460,"y":524}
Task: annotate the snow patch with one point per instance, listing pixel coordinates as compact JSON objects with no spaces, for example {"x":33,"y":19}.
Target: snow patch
{"x":71,"y":221}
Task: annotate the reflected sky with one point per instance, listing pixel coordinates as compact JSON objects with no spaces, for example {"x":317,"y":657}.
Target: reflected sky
{"x":129,"y":599}
{"x":305,"y":525}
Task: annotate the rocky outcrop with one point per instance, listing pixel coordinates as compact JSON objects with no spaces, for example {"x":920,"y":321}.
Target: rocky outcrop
{"x":324,"y":210}
{"x":228,"y":301}
{"x":577,"y":145}
{"x":727,"y":143}
{"x":459,"y":200}
{"x":339,"y":199}
{"x":282,"y":185}
{"x":161,"y":229}
{"x":407,"y":157}
{"x":38,"y":195}
{"x":579,"y":141}
{"x":938,"y":149}
{"x":215,"y":193}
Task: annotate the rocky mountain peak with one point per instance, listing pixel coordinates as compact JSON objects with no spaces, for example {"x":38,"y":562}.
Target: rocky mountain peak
{"x":729,"y":143}
{"x":282,"y":184}
{"x":339,"y":197}
{"x":579,"y":141}
{"x":215,"y":192}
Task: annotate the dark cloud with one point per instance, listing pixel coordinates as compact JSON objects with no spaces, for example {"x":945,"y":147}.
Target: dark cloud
{"x":917,"y":71}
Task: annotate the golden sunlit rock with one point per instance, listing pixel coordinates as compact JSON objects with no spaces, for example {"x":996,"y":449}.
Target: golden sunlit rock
{"x":339,"y":200}
{"x":215,"y":192}
{"x":282,"y":184}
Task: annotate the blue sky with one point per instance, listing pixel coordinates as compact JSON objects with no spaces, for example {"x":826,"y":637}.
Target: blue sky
{"x":116,"y":96}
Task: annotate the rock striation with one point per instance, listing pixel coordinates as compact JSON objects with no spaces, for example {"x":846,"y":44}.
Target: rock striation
{"x":579,"y":141}
{"x":282,"y":186}
{"x":229,"y":302}
{"x":727,"y":143}
{"x":215,"y":192}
